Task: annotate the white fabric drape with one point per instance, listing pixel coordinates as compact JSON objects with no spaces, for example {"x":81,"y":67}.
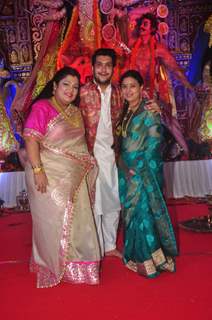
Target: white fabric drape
{"x":188,"y":178}
{"x":11,"y":184}
{"x":182,"y":178}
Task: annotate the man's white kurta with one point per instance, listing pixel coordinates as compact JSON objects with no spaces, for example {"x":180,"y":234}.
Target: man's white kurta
{"x":107,"y":195}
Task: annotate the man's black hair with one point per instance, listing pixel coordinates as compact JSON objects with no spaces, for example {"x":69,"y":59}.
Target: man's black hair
{"x":104,"y":52}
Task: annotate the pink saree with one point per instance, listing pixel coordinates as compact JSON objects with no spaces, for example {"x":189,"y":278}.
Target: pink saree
{"x":65,"y":245}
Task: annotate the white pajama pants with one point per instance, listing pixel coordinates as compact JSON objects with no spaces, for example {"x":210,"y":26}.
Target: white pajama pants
{"x":107,"y":225}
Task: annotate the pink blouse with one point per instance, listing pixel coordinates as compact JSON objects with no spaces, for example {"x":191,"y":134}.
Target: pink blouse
{"x":41,"y":113}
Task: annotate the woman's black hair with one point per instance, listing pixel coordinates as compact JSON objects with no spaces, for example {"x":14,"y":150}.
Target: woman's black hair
{"x":132,"y":74}
{"x":47,"y":91}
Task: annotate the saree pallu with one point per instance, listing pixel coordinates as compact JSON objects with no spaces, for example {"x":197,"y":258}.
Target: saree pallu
{"x":149,"y":240}
{"x":65,"y":244}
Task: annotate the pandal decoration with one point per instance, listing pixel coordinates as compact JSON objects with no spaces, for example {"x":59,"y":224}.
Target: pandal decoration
{"x":8,"y":143}
{"x":49,"y":63}
{"x":58,"y":5}
{"x":206,"y":126}
{"x":106,"y":6}
{"x":84,"y":33}
{"x":86,"y":23}
{"x":82,"y":38}
{"x":66,"y":46}
{"x":109,"y":8}
{"x":162,"y":11}
{"x":208,"y":29}
{"x":109,"y":32}
{"x":163,"y":28}
{"x":152,"y":61}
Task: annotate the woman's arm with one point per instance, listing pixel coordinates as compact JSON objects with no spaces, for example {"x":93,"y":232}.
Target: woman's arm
{"x":33,"y":152}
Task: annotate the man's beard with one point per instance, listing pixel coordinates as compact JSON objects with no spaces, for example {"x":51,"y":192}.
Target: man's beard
{"x":103,"y":82}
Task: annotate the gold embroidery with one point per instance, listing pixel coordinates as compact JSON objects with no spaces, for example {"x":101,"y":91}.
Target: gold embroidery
{"x":126,"y":122}
{"x":158,"y":257}
{"x":28,"y":132}
{"x":147,"y":268}
{"x":158,"y":263}
{"x":169,"y":265}
{"x":71,"y":114}
{"x":76,"y":120}
{"x":60,"y":195}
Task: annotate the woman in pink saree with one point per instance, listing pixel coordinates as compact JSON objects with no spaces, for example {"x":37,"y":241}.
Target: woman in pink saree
{"x":60,"y":177}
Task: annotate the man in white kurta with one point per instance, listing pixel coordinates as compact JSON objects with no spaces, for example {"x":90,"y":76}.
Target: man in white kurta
{"x":101,"y":106}
{"x":107,"y":204}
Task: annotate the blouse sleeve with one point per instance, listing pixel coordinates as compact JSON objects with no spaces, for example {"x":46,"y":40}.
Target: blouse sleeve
{"x":37,"y":121}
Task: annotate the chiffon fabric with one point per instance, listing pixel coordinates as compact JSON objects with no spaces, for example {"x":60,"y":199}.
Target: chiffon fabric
{"x":65,"y":244}
{"x":149,"y":241}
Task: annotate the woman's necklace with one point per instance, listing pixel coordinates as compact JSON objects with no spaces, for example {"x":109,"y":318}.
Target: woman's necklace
{"x":125,"y":123}
{"x":65,"y":113}
{"x":127,"y":119}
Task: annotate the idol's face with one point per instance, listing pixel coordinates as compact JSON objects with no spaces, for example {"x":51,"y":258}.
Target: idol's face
{"x":103,"y":70}
{"x":146,"y":27}
{"x":66,"y":90}
{"x":131,"y":91}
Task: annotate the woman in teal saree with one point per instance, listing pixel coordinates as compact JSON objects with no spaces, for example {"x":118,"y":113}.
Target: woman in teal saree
{"x":149,"y":241}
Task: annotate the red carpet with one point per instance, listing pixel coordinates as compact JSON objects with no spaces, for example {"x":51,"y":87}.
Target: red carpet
{"x":121,"y":295}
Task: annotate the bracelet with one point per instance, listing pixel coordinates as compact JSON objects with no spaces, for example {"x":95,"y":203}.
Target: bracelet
{"x":37,"y":169}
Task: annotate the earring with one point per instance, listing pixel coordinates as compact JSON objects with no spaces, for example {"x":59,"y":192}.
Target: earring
{"x":54,"y":90}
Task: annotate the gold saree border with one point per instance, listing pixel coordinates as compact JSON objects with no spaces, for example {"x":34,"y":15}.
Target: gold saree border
{"x":82,"y":272}
{"x":158,"y":262}
{"x":76,"y":273}
{"x":28,"y":132}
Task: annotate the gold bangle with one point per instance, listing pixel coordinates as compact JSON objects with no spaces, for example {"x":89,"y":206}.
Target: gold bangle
{"x":37,"y":169}
{"x":37,"y":166}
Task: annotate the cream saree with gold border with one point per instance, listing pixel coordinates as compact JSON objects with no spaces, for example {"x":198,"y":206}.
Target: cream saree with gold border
{"x":65,"y":244}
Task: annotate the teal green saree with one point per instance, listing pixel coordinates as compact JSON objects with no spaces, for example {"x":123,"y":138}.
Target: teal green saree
{"x":149,"y":241}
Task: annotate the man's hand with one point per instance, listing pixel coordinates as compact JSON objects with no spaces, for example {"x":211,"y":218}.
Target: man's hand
{"x":129,"y":172}
{"x":153,"y":106}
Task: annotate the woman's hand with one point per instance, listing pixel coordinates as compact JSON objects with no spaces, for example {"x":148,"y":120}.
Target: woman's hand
{"x":41,"y":181}
{"x":152,"y":106}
